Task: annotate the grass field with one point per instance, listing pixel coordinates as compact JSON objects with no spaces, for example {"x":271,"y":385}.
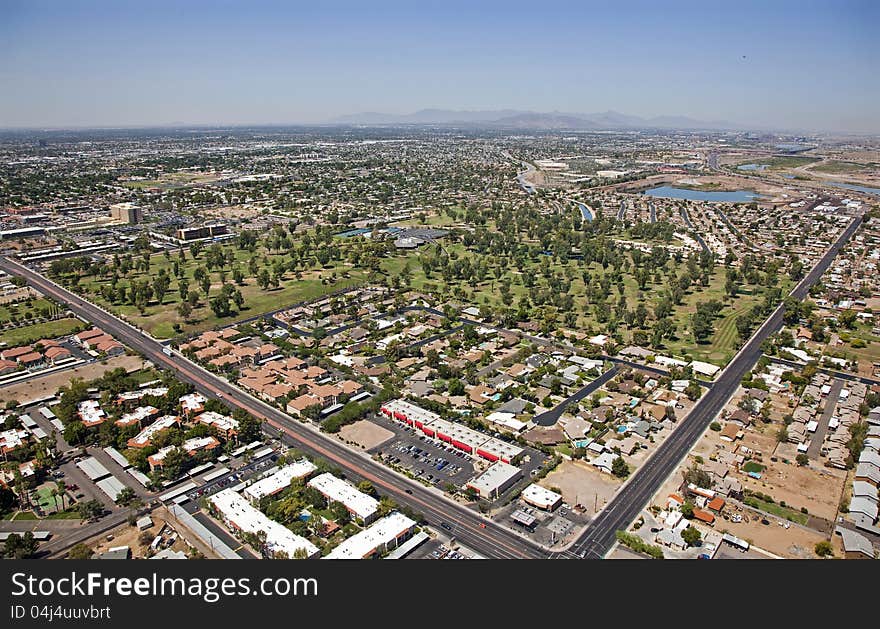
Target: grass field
{"x":50,"y":329}
{"x":839,"y":168}
{"x":779,"y":511}
{"x":781,"y":163}
{"x":159,"y":320}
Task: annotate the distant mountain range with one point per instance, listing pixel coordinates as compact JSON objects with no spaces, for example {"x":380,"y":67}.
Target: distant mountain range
{"x":514,"y":119}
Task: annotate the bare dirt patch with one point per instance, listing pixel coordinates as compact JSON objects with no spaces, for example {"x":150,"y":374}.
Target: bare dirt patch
{"x":580,"y":484}
{"x":47,"y":385}
{"x":366,"y":434}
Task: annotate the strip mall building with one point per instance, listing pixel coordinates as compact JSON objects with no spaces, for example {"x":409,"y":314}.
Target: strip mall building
{"x":465,"y":439}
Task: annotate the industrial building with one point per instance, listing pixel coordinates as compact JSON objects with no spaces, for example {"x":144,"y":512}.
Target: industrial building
{"x":495,"y":480}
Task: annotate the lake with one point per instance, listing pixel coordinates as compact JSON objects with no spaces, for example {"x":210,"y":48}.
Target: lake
{"x":729,"y":196}
{"x":585,"y":212}
{"x":849,"y":186}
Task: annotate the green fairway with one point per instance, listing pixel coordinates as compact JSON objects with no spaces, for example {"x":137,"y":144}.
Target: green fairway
{"x":50,"y":329}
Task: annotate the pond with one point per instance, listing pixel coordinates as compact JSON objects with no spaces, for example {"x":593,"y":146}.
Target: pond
{"x":729,"y":196}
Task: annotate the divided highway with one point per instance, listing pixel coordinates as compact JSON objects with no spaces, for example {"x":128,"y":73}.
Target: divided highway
{"x":599,"y":536}
{"x":469,"y":527}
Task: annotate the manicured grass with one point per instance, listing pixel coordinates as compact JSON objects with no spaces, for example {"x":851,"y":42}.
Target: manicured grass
{"x":159,"y":320}
{"x":751,"y":466}
{"x":68,"y":514}
{"x":50,"y":329}
{"x":24,"y":515}
{"x":779,"y":511}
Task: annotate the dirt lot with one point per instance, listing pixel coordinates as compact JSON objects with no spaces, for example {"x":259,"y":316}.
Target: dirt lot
{"x":366,"y":434}
{"x":795,"y":542}
{"x":581,"y":483}
{"x":127,"y":535}
{"x":47,"y":385}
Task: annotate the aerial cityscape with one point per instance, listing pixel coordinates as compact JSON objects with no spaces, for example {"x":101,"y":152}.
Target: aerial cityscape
{"x":484,"y":330}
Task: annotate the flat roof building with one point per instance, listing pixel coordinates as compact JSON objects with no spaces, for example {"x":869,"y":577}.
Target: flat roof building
{"x":239,"y":515}
{"x":381,"y":536}
{"x":359,"y":504}
{"x":495,"y":480}
{"x":541,"y":497}
{"x":278,"y":480}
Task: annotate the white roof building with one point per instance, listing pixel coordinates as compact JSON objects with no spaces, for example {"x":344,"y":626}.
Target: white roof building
{"x":358,"y":503}
{"x":506,"y":420}
{"x":133,"y":396}
{"x":90,"y":412}
{"x":541,"y":497}
{"x":495,"y":480}
{"x":379,"y":537}
{"x":239,"y":514}
{"x":705,"y":369}
{"x":143,"y":438}
{"x":223,"y":423}
{"x":137,"y":415}
{"x":278,"y":480}
{"x":192,"y":403}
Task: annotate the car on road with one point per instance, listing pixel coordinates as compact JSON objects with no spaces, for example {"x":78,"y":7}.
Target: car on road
{"x":446,"y":526}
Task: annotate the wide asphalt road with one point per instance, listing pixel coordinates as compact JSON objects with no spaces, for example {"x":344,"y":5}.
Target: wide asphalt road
{"x":599,"y":536}
{"x":470,"y":528}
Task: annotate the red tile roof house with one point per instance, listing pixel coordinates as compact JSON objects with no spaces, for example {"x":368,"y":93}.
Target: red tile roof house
{"x":7,"y":366}
{"x":54,"y":354}
{"x":14,"y":352}
{"x":31,"y":360}
{"x":82,"y":337}
{"x":297,"y":405}
{"x":110,"y":347}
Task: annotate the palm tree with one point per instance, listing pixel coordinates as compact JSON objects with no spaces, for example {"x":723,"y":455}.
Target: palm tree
{"x":55,"y":498}
{"x":62,"y":491}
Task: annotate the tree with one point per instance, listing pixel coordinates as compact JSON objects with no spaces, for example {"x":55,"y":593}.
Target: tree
{"x":620,"y":468}
{"x":691,"y":536}
{"x":90,"y":510}
{"x":126,"y":496}
{"x":698,"y":476}
{"x":339,"y":512}
{"x":782,"y":435}
{"x":20,"y":546}
{"x":80,"y":551}
{"x":824,"y":549}
{"x":366,"y":487}
{"x":184,"y":309}
{"x":7,"y":499}
{"x":802,"y":459}
{"x":687,"y":510}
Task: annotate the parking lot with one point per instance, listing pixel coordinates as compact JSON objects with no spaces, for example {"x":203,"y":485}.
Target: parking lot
{"x":427,"y":460}
{"x":421,"y":455}
{"x":549,"y":528}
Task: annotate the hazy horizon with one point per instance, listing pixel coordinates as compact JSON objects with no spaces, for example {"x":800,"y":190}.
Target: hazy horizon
{"x":782,"y":65}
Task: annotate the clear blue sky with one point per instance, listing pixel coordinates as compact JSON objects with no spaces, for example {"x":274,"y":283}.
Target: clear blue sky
{"x":104,"y":63}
